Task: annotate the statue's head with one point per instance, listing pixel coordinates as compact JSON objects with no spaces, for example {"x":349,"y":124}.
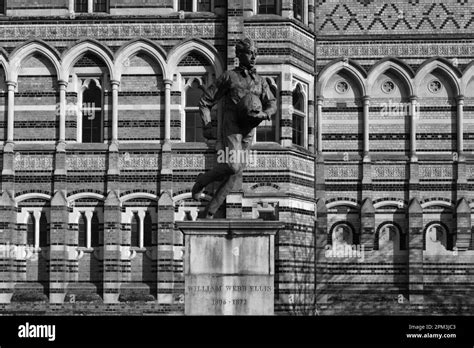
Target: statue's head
{"x":246,"y":51}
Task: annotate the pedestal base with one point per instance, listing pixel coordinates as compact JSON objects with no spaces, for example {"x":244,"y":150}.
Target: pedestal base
{"x":229,"y":266}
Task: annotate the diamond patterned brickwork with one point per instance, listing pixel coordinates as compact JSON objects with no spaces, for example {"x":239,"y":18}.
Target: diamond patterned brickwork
{"x":365,"y":17}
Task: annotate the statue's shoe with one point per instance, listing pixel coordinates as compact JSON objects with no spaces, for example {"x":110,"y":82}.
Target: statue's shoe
{"x":198,"y":188}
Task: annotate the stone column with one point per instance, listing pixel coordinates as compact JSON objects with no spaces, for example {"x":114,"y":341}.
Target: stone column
{"x":366,"y":162}
{"x":88,"y":228}
{"x":168,"y":84}
{"x":286,"y":107}
{"x":37,"y":216}
{"x":414,"y":116}
{"x":459,"y":157}
{"x":311,"y":140}
{"x":11,"y":110}
{"x":62,"y":110}
{"x":414,"y":175}
{"x":115,"y":87}
{"x":415,"y":250}
{"x":460,"y":124}
{"x":366,"y":101}
{"x":319,"y":124}
{"x":141,"y":216}
{"x":7,"y":203}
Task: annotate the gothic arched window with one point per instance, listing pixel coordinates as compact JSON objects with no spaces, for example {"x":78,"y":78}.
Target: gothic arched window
{"x":82,"y":230}
{"x":30,"y":229}
{"x":43,"y":230}
{"x":148,"y":230}
{"x":92,"y":131}
{"x":134,"y":230}
{"x":95,"y":231}
{"x":193,"y":119}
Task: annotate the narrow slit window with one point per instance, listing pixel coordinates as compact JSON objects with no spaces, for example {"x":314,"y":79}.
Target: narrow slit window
{"x":148,"y":230}
{"x":134,"y":230}
{"x":95,"y":231}
{"x":82,"y":229}
{"x":30,"y":229}
{"x":44,"y":229}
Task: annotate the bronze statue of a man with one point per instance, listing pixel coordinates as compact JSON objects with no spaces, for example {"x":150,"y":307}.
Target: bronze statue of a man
{"x":247,"y":101}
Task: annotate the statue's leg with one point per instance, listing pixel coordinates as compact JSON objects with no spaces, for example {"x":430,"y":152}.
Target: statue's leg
{"x":221,"y":171}
{"x":224,"y":189}
{"x":233,"y":143}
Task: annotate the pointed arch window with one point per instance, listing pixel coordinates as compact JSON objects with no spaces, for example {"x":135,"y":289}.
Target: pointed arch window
{"x":30,"y":229}
{"x":92,"y":113}
{"x":299,"y":116}
{"x":148,"y":230}
{"x":134,"y":230}
{"x":43,"y":231}
{"x":82,"y":228}
{"x":193,"y":119}
{"x":95,"y":231}
{"x":266,"y":131}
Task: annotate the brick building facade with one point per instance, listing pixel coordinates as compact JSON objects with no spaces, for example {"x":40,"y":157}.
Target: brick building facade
{"x":101,"y":145}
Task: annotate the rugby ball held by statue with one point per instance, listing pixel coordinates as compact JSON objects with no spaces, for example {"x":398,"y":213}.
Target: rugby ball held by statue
{"x":249,"y":107}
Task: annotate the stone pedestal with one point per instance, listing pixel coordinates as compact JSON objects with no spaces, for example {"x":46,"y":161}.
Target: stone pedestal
{"x":229,"y":266}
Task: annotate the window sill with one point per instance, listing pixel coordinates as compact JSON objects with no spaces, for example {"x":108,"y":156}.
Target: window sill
{"x":86,"y":250}
{"x":138,"y":249}
{"x":266,"y":145}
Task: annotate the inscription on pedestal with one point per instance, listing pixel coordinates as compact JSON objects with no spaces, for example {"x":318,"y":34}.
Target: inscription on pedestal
{"x":229,"y":267}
